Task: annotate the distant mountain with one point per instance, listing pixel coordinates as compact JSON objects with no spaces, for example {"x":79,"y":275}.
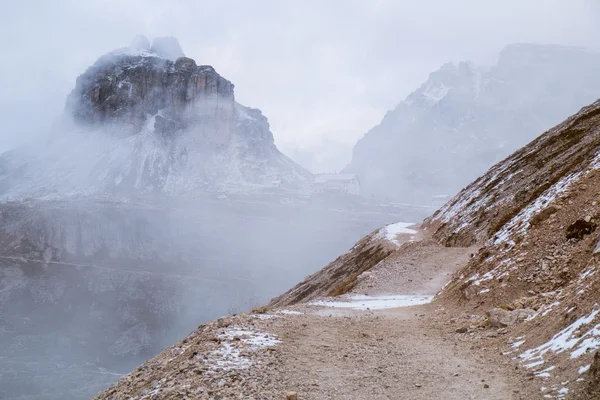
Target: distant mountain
{"x":465,"y":118}
{"x":147,"y":119}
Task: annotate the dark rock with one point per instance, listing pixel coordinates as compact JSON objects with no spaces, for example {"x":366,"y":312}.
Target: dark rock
{"x":122,"y":91}
{"x":185,"y":64}
{"x":578,"y":229}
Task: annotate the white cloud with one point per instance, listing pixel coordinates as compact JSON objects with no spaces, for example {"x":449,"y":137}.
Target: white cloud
{"x":321,"y":71}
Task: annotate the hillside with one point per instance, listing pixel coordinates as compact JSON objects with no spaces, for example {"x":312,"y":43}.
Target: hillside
{"x":466,"y":117}
{"x":535,"y":215}
{"x":521,"y":301}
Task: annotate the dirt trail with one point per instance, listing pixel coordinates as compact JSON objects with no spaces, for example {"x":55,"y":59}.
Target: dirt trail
{"x":396,"y":353}
{"x":322,"y":352}
{"x":385,"y":355}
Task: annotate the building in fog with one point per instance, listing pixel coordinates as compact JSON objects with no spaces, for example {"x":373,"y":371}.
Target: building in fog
{"x":336,"y":183}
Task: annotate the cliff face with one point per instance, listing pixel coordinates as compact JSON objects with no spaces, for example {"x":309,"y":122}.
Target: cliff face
{"x":465,"y":118}
{"x":126,"y":86}
{"x":149,"y":120}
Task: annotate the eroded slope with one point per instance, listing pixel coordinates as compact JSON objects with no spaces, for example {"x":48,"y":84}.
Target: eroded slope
{"x":536,"y":215}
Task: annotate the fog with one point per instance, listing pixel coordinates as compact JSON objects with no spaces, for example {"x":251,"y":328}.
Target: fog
{"x":322,"y":72}
{"x":147,"y":196}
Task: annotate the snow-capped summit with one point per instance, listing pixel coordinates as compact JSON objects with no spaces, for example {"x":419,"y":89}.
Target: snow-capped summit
{"x":148,"y":119}
{"x":466,"y":117}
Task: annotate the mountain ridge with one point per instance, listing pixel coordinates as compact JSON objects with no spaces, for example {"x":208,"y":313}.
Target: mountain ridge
{"x":465,"y":118}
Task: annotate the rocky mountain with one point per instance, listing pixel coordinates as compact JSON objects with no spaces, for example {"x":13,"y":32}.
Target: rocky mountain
{"x":465,"y":118}
{"x":158,"y":202}
{"x":147,"y":119}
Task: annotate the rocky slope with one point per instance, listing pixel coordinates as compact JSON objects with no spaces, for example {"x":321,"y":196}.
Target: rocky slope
{"x":524,"y":294}
{"x":465,"y":118}
{"x":535,"y":216}
{"x":147,"y":119}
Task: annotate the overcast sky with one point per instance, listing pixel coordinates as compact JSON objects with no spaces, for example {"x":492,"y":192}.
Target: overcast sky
{"x":322,"y":71}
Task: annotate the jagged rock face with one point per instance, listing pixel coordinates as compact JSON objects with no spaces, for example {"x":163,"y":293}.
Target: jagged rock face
{"x":138,"y":122}
{"x":125,"y":87}
{"x":465,"y":118}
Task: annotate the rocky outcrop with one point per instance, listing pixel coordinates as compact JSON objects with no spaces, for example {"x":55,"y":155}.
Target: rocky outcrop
{"x":145,"y":119}
{"x":501,"y":318}
{"x":126,"y":86}
{"x":465,"y":118}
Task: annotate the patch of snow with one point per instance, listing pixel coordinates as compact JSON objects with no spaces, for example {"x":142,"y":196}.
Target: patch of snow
{"x":390,"y":232}
{"x":565,"y":340}
{"x":289,"y":312}
{"x":363,"y":302}
{"x":520,"y":223}
{"x":436,"y":92}
{"x":534,"y":364}
{"x":229,"y":355}
{"x":590,"y":272}
{"x":545,"y":373}
{"x":584,"y":369}
{"x":264,"y":316}
{"x":550,"y":307}
{"x":590,"y":342}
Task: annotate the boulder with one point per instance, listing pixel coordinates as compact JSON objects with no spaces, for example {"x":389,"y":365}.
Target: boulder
{"x":501,"y":318}
{"x":543,"y":215}
{"x":470,"y":292}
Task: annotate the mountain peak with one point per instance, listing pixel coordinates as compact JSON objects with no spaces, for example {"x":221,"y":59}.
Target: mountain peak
{"x":160,"y":123}
{"x":466,"y":117}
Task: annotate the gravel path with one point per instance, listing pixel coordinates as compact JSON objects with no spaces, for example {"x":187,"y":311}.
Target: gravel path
{"x":386,"y":354}
{"x":316,"y":352}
